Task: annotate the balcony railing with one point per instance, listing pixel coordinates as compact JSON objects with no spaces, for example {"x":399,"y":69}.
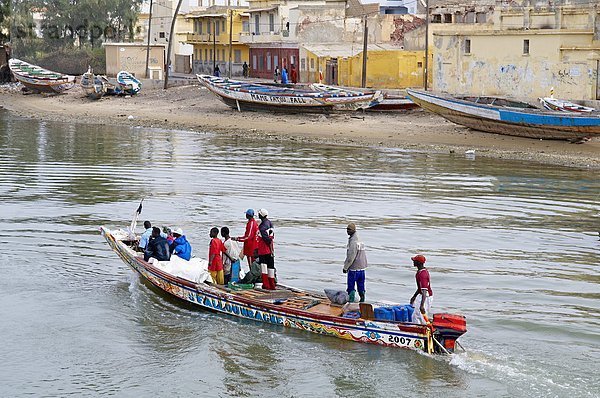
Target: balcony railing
{"x":208,"y":38}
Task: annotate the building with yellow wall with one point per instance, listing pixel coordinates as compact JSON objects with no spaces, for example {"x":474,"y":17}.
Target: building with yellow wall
{"x":211,"y":39}
{"x":522,"y":52}
{"x":341,"y":64}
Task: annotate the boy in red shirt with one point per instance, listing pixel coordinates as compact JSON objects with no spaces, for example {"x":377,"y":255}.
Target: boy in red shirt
{"x":423,"y":289}
{"x":215,"y":257}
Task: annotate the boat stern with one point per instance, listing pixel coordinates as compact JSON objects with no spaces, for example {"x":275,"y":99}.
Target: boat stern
{"x":447,"y":328}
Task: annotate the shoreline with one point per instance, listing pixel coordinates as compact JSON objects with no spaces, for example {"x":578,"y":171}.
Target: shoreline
{"x":193,"y":108}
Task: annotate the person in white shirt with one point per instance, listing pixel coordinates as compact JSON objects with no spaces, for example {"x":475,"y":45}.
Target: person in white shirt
{"x":231,"y":257}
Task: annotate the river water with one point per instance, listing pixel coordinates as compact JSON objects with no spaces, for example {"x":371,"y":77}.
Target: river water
{"x":511,"y":245}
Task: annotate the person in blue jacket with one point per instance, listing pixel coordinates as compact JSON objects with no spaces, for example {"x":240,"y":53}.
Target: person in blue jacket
{"x":180,"y":246}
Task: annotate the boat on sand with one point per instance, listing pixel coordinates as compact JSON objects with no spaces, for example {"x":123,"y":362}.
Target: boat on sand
{"x":243,"y":95}
{"x":509,"y":117}
{"x":285,"y":306}
{"x":38,"y":79}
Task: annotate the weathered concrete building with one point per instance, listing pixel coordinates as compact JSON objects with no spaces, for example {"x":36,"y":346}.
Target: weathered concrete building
{"x":212,"y":29}
{"x":132,"y":58}
{"x":521,"y":51}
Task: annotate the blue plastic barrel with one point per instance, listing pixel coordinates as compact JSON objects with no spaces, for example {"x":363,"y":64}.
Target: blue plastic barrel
{"x":410,"y":310}
{"x":401,"y":313}
{"x":235,"y":271}
{"x":384,"y":314}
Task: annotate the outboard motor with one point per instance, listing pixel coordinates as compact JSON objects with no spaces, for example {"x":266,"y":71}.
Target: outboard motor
{"x":447,"y":329}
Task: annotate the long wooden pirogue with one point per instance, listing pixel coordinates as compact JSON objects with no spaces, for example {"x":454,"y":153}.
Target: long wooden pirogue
{"x":291,"y":307}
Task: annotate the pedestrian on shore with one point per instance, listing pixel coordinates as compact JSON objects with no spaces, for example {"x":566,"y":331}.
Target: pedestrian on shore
{"x":245,"y":69}
{"x":215,"y":260}
{"x":276,"y":74}
{"x":217,"y":71}
{"x":294,"y":74}
{"x":355,"y":264}
{"x":423,"y":289}
{"x":284,"y":76}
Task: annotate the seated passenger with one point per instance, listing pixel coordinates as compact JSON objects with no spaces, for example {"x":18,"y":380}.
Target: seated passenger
{"x":157,"y":247}
{"x":180,"y":246}
{"x":146,"y":235}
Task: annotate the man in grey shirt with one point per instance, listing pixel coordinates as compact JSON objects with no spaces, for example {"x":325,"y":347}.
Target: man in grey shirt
{"x":355,"y":264}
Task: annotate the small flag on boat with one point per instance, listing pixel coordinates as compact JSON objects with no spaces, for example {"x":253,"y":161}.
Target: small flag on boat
{"x":139,"y":209}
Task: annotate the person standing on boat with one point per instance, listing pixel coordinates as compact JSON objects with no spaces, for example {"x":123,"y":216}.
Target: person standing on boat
{"x":423,"y":290}
{"x":250,"y":237}
{"x":231,"y":257}
{"x":355,"y":264}
{"x":266,"y":257}
{"x":158,"y":247}
{"x":180,"y":246}
{"x":215,"y":260}
{"x":146,"y":235}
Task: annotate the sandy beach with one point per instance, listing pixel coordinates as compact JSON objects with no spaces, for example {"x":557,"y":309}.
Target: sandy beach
{"x":194,"y":108}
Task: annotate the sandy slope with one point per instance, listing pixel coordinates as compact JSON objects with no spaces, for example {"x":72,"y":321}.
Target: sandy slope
{"x":193,"y":108}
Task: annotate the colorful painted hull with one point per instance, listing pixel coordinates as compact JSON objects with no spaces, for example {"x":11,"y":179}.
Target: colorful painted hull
{"x":38,"y":79}
{"x":128,"y":83}
{"x":520,"y":122}
{"x":255,"y":96}
{"x":311,"y":318}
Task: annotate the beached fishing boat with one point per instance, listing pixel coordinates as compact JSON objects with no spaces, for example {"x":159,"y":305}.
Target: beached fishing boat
{"x":554,"y":104}
{"x":38,"y":79}
{"x":508,"y":117}
{"x":389,"y":102}
{"x":97,"y":86}
{"x":128,"y":83}
{"x":285,"y":306}
{"x":255,"y":96}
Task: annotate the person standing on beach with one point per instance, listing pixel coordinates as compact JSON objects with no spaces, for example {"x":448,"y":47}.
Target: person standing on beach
{"x":294,"y":74}
{"x":217,"y":71}
{"x":423,"y":289}
{"x":284,"y":76}
{"x":250,"y":237}
{"x":245,"y":69}
{"x":355,"y":264}
{"x":276,"y":74}
{"x":265,"y":250}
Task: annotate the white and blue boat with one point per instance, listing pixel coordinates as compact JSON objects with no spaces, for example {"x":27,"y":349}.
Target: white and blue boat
{"x":242,"y":95}
{"x":128,"y":83}
{"x":509,"y":117}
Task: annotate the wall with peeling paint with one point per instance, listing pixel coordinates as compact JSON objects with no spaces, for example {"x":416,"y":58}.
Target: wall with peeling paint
{"x":498,"y":65}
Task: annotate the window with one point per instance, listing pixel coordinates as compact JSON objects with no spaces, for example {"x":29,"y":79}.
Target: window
{"x":480,"y":17}
{"x":245,"y":26}
{"x":237,"y":56}
{"x":161,"y":35}
{"x":302,"y":64}
{"x":271,"y":23}
{"x":217,"y":26}
{"x":211,"y":55}
{"x":268,"y":61}
{"x":526,"y":47}
{"x":256,"y":24}
{"x":205,"y":54}
{"x":223,"y":53}
{"x":275,"y":61}
{"x":467,"y":46}
{"x":261,"y":63}
{"x":447,"y":18}
{"x":293,"y":60}
{"x":200,"y":25}
{"x":419,"y":64}
{"x":254,"y":63}
{"x":312,"y":64}
{"x":436,"y":18}
{"x":223,"y":27}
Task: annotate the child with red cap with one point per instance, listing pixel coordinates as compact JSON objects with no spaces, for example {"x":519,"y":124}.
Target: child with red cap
{"x":423,"y":289}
